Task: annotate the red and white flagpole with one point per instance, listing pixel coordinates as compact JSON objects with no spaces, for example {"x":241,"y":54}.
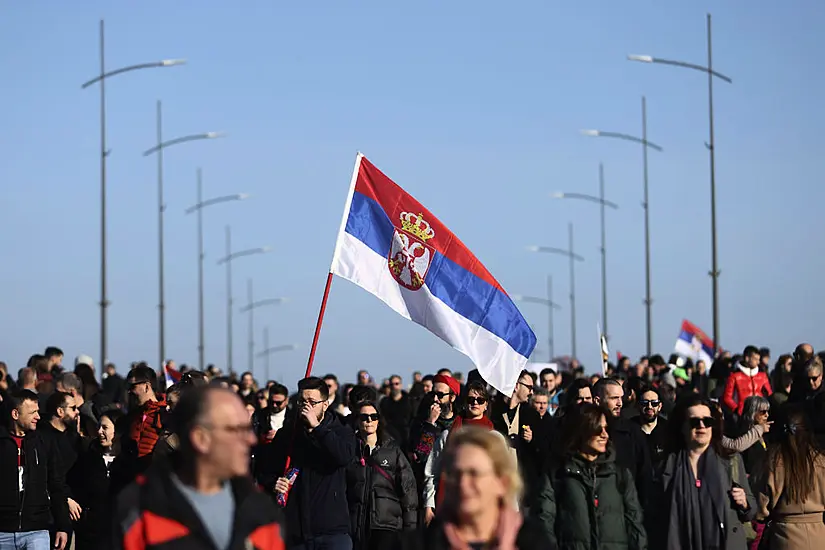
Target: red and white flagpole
{"x":327,"y":287}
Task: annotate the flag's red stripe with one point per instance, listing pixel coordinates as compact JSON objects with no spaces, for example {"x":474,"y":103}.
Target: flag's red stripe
{"x":690,"y":328}
{"x":374,"y":184}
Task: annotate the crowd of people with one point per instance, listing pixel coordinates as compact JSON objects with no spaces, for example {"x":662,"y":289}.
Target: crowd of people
{"x":671,"y":455}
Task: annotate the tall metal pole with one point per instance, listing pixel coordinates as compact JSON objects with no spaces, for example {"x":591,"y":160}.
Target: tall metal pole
{"x":161,"y":302}
{"x":228,"y":299}
{"x":714,"y":274}
{"x":104,"y":300}
{"x":648,"y":300}
{"x":201,"y":335}
{"x":266,"y":354}
{"x":604,"y":251}
{"x":251,"y":326}
{"x":551,"y":307}
{"x":572,"y":293}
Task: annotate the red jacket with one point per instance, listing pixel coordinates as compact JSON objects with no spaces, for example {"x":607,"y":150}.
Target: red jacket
{"x":146,"y":426}
{"x":745,"y":382}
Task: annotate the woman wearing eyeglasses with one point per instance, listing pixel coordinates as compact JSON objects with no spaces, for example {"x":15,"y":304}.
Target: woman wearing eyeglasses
{"x":381,"y":488}
{"x":482,"y":488}
{"x":701,"y":494}
{"x":474,"y":414}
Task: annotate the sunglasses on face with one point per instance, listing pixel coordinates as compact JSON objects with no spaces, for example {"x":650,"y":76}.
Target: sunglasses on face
{"x":652,"y":403}
{"x":368,"y":417}
{"x":476,"y":400}
{"x":814,"y":378}
{"x":700,"y":422}
{"x":441,"y":394}
{"x":278,"y":403}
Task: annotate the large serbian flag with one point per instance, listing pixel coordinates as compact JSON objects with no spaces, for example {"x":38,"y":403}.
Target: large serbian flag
{"x":394,"y":248}
{"x":694,"y":343}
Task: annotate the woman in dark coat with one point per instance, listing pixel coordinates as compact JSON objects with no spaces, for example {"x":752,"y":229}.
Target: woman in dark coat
{"x":701,"y":494}
{"x":381,"y":488}
{"x":590,"y":502}
{"x":89,"y":480}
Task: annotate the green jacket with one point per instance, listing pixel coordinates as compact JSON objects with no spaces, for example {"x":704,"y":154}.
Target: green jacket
{"x":591,"y":506}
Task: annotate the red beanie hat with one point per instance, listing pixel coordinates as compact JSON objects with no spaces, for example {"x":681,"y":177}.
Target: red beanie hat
{"x":451,"y":382}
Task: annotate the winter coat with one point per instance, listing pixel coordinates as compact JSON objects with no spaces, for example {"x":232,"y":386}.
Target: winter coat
{"x":632,"y":453}
{"x":731,"y":519}
{"x":44,"y":494}
{"x":381,"y":492}
{"x":145,"y":428}
{"x":154,"y":514}
{"x":89,"y":482}
{"x":317,"y":503}
{"x":591,"y":506}
{"x":531,"y":454}
{"x":743,"y":383}
{"x":792,"y":526}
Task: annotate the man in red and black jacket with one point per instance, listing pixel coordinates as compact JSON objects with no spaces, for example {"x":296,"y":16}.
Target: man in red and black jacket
{"x":746,"y":380}
{"x":32,"y":485}
{"x":200,"y":496}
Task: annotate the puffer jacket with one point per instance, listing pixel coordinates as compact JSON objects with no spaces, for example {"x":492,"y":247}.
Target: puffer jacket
{"x":146,"y":426}
{"x":591,"y":506}
{"x":381,"y":492}
{"x":743,"y":383}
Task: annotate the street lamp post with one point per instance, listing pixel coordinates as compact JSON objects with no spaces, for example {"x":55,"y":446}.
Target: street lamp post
{"x":198,"y":207}
{"x":228,"y":259}
{"x":551,"y":305}
{"x":250,"y":308}
{"x":158,"y":150}
{"x":602,"y":202}
{"x":570,"y":253}
{"x":714,"y":272}
{"x":267,"y":351}
{"x":645,"y":143}
{"x":104,"y":299}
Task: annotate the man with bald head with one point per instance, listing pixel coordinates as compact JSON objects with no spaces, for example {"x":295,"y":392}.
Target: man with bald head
{"x":201,"y":496}
{"x":802,"y":356}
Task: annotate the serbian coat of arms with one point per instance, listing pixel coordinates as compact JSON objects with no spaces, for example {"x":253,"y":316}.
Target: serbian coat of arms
{"x":410,"y":257}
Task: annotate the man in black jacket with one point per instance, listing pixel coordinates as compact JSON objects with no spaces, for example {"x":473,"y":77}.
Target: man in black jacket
{"x":200,"y":496}
{"x":320,"y":448}
{"x":31,"y":480}
{"x":628,"y":439}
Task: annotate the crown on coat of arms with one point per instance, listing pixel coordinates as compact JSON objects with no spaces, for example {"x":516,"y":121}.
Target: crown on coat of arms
{"x":417,"y":226}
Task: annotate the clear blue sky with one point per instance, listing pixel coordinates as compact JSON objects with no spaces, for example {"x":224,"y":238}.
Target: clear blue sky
{"x":473,"y":107}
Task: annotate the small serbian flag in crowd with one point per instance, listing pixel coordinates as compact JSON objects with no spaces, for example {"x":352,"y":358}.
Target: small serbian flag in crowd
{"x":394,"y":248}
{"x":172,"y":375}
{"x":694,"y":344}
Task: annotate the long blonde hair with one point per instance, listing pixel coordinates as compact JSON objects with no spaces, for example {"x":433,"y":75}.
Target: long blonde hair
{"x":505,"y":464}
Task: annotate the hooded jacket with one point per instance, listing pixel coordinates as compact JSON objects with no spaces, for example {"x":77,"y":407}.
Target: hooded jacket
{"x":743,"y":383}
{"x":591,"y":506}
{"x":44,"y":487}
{"x":381,"y":492}
{"x":317,"y":503}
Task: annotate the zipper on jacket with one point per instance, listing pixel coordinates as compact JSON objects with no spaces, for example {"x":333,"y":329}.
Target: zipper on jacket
{"x":22,"y":494}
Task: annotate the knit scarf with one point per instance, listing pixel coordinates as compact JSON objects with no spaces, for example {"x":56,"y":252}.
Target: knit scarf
{"x":509,"y":523}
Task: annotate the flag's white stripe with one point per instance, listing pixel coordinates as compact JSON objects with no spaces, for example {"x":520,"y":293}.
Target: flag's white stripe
{"x":497,"y":362}
{"x":685,"y":349}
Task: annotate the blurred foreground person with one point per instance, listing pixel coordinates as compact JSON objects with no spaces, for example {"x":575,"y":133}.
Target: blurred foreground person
{"x":482,"y":490}
{"x":792,"y":493}
{"x":200,"y":496}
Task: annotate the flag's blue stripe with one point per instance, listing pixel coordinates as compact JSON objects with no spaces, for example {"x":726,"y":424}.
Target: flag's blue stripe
{"x":462,"y":291}
{"x":688,"y":337}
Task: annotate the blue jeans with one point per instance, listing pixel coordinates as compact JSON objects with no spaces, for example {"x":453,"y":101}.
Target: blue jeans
{"x":324,"y":542}
{"x":30,"y":540}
